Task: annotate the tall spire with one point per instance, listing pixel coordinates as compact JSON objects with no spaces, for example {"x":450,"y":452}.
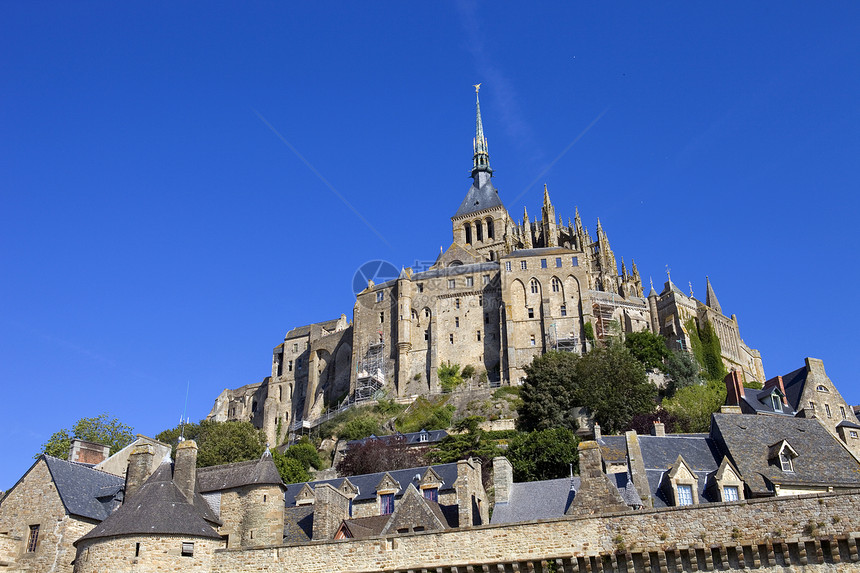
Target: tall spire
{"x":481,"y":159}
{"x":711,"y":298}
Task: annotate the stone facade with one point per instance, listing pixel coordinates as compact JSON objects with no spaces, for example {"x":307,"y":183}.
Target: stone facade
{"x":38,"y":533}
{"x":504,"y":291}
{"x":147,"y":553}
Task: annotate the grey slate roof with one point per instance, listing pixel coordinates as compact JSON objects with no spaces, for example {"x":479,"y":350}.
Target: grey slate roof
{"x":613,"y":449}
{"x":306,"y":329}
{"x":157,"y":508}
{"x":85,"y":492}
{"x":758,"y":402}
{"x":298,"y":524}
{"x":660,"y":453}
{"x":412,"y":438}
{"x":457,"y":270}
{"x":550,"y":499}
{"x":821,"y":458}
{"x":793,"y":382}
{"x":366,"y":483}
{"x":479,"y":199}
{"x":229,"y":476}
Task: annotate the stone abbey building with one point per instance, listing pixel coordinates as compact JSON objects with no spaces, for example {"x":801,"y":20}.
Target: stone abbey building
{"x":504,"y":291}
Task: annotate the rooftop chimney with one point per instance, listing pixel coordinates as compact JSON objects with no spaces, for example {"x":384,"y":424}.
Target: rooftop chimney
{"x":659,"y":429}
{"x":185,"y":468}
{"x":597,"y":433}
{"x":139,"y":468}
{"x":88,"y":452}
{"x":596,"y":493}
{"x":776,"y":382}
{"x":734,"y":388}
{"x":330,"y":509}
{"x":503,"y":479}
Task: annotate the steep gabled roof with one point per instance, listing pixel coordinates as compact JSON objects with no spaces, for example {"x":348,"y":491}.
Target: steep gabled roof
{"x":758,"y":402}
{"x":794,"y":382}
{"x":366,"y":483}
{"x":821,"y":460}
{"x":84,"y":491}
{"x":478,"y":199}
{"x":230,"y":476}
{"x":660,"y":455}
{"x":157,"y":508}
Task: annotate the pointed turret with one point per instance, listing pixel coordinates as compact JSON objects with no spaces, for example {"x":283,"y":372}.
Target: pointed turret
{"x":623,"y":269}
{"x":711,"y":298}
{"x":527,"y":229}
{"x":481,"y":159}
{"x":550,"y":238}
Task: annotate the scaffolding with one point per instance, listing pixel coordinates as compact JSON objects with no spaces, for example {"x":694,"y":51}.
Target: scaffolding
{"x":603,"y":321}
{"x":371,"y":372}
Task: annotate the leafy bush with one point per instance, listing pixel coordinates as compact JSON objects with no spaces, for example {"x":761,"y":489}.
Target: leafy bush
{"x":449,"y":376}
{"x":358,"y":428}
{"x":377,"y":455}
{"x":544,"y":454}
{"x":290,"y":469}
{"x":427,"y":415}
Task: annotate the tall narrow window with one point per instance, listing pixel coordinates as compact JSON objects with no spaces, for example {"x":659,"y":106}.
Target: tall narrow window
{"x":468,"y":229}
{"x":685,"y":494}
{"x":534,"y":286}
{"x":427,"y":312}
{"x":451,"y":283}
{"x":531,"y":313}
{"x":479,"y":336}
{"x":485,"y":279}
{"x":426,"y":334}
{"x":137,"y":549}
{"x":556,"y":284}
{"x":827,"y":410}
{"x":480,"y":300}
{"x":490,"y":233}
{"x":451,"y":338}
{"x":574,"y":261}
{"x":420,"y":287}
{"x":457,"y":303}
{"x":381,"y":317}
{"x":479,"y":231}
{"x":524,"y":265}
{"x":386,"y":503}
{"x":543,"y":263}
{"x":564,"y":310}
{"x":785,"y":461}
{"x":33,"y":540}
{"x":508,"y":266}
{"x":842,"y":411}
{"x":532,"y":340}
{"x":776,"y":403}
{"x":486,"y":318}
{"x":456,"y":322}
{"x":380,"y":296}
{"x":558,"y":261}
{"x":470,"y":281}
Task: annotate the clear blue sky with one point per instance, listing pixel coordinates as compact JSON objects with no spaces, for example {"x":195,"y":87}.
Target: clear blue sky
{"x":155,"y":232}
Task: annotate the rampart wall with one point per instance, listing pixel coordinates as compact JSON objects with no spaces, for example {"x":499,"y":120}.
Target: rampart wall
{"x":810,"y":533}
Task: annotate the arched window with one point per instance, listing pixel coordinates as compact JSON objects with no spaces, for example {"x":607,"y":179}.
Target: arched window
{"x":427,"y":312}
{"x":468,"y":228}
{"x":490,"y":233}
{"x":534,"y":286}
{"x":556,"y":285}
{"x":479,"y":231}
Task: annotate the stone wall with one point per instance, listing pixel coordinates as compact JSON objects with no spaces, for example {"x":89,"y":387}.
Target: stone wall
{"x":35,"y":501}
{"x":144,"y":554}
{"x":813,"y":533}
{"x":252,"y":515}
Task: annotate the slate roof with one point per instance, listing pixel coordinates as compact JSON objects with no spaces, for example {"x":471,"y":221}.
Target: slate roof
{"x":306,"y":329}
{"x":758,"y":402}
{"x":479,"y":199}
{"x":821,"y":458}
{"x":793,"y":382}
{"x":412,"y":438}
{"x":298,"y":524}
{"x":157,"y":508}
{"x":550,"y":499}
{"x":660,"y":453}
{"x":457,"y":270}
{"x":367,"y":483}
{"x":230,"y":476}
{"x":84,"y":491}
{"x":613,"y":449}
{"x":367,"y":526}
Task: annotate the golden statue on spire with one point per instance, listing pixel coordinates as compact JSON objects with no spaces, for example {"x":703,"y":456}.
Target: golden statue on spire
{"x":477,"y":87}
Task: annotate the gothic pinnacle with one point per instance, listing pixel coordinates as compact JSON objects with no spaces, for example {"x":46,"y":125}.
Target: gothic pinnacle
{"x":481,"y":159}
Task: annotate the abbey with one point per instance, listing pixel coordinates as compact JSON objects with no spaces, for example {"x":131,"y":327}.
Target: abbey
{"x":505,"y":291}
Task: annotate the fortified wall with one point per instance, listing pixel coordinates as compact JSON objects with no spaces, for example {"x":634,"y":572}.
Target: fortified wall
{"x":810,"y":533}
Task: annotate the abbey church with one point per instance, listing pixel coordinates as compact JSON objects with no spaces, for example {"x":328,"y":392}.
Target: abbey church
{"x":505,"y":291}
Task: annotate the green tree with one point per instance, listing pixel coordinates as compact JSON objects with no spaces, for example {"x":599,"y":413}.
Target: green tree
{"x":100,"y":429}
{"x":613,"y":386}
{"x":219,"y":442}
{"x":360,"y":427}
{"x":682,"y":371}
{"x":544,"y":454}
{"x":449,"y":376}
{"x":648,"y":348}
{"x":692,"y":406}
{"x":290,"y":469}
{"x":548,"y":392}
{"x":305,"y":453}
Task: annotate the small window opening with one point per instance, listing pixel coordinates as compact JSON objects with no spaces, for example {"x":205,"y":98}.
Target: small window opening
{"x":380,"y":296}
{"x":558,"y":261}
{"x":137,"y":549}
{"x":451,"y":338}
{"x":564,"y":310}
{"x":456,"y":322}
{"x":420,"y":287}
{"x":531,"y":313}
{"x":524,"y":265}
{"x":479,"y":336}
{"x":543,"y":263}
{"x":381,"y":317}
{"x":188,"y":548}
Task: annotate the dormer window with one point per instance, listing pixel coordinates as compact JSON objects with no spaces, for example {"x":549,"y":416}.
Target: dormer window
{"x":776,"y":402}
{"x":386,"y":503}
{"x":423,"y":436}
{"x":783,"y":454}
{"x":685,"y":494}
{"x":431,"y":493}
{"x":785,"y":462}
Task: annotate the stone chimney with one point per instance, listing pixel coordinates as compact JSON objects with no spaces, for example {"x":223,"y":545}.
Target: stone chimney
{"x":139,"y":468}
{"x":776,"y":382}
{"x":503,"y":479}
{"x":597,"y":432}
{"x":636,"y":467}
{"x":734,"y":388}
{"x":596,"y":493}
{"x":185,"y":468}
{"x":331,"y":507}
{"x":659,"y":429}
{"x":88,"y":452}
